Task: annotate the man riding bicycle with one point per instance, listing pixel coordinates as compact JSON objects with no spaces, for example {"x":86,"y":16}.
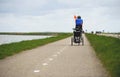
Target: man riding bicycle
{"x":77,"y":31}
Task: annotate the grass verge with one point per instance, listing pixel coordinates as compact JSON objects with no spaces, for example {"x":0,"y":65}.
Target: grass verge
{"x":108,"y":51}
{"x":13,"y":48}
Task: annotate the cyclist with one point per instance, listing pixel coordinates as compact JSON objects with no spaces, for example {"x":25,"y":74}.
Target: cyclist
{"x":79,"y":23}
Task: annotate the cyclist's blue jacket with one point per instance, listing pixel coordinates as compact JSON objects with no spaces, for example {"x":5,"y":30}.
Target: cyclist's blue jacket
{"x":79,"y":21}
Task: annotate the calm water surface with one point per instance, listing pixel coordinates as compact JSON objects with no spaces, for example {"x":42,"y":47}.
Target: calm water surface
{"x":5,"y":39}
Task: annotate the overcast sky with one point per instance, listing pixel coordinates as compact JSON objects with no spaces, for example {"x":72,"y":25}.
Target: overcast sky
{"x":57,"y":15}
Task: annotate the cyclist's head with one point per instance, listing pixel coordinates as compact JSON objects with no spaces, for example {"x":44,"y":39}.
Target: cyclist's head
{"x":79,"y":17}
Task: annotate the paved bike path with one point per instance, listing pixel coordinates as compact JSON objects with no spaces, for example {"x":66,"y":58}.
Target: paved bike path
{"x":58,"y":59}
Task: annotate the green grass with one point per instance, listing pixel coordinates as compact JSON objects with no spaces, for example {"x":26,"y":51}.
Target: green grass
{"x":108,"y":51}
{"x":13,"y":48}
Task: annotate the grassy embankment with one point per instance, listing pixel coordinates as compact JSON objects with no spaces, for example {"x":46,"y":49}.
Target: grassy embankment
{"x":108,"y":51}
{"x":13,"y":48}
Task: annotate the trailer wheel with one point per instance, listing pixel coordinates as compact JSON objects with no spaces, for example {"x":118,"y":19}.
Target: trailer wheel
{"x":72,"y":40}
{"x":82,"y":40}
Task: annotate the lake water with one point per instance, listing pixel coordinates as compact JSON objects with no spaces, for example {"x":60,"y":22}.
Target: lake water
{"x":5,"y":39}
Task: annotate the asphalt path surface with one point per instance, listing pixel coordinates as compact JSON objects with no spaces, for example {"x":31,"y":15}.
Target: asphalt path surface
{"x":58,"y":59}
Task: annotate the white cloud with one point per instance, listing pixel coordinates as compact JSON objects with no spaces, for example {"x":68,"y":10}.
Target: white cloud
{"x":57,"y":15}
